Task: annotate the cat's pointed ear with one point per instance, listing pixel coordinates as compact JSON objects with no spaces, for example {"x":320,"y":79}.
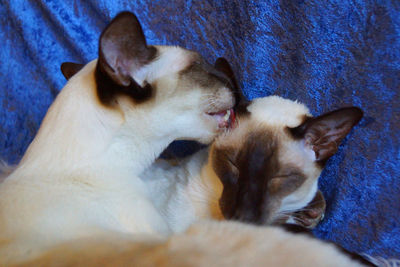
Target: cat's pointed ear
{"x":69,"y":69}
{"x":222,"y":65}
{"x":123,"y":50}
{"x":324,"y":133}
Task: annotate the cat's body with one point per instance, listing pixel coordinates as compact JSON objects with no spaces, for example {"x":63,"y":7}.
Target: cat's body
{"x":79,"y":176}
{"x":206,"y":243}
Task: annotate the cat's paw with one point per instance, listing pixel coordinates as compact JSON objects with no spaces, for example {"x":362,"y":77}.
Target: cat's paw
{"x":312,"y":214}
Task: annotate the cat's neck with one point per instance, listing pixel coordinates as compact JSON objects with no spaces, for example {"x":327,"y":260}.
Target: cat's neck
{"x":203,"y":187}
{"x":205,"y":198}
{"x":184,"y":193}
{"x":79,"y":132}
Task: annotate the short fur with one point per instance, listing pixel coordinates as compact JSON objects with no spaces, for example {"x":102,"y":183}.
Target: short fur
{"x":205,"y":244}
{"x":254,"y":158}
{"x":190,"y":191}
{"x":259,"y":172}
{"x":78,"y":177}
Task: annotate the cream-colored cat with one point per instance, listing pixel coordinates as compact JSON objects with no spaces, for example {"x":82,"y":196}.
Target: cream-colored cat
{"x":262,"y":171}
{"x":79,"y":176}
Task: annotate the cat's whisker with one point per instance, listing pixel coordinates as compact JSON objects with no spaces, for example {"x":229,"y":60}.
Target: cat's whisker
{"x":299,"y":220}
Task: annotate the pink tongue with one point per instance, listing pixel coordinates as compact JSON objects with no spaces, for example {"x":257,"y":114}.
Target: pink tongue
{"x":220,"y":118}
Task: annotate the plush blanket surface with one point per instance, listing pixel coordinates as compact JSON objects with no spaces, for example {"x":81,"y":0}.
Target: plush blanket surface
{"x":327,"y":54}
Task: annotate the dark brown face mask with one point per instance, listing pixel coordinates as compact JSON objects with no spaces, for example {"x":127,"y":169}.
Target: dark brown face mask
{"x":256,"y":178}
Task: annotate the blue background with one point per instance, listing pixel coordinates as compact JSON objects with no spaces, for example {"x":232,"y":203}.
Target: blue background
{"x":327,"y":54}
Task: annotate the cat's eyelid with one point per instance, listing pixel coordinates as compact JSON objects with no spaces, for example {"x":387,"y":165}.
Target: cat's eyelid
{"x":287,"y":175}
{"x":282,"y":176}
{"x":231,"y":161}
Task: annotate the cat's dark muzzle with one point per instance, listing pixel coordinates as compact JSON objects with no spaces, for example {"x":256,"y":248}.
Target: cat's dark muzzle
{"x":244,"y":213}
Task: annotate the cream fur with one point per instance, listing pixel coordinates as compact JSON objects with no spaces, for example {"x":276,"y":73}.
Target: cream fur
{"x":205,"y":244}
{"x":190,"y":190}
{"x":275,"y":110}
{"x":78,"y":178}
{"x":94,"y":231}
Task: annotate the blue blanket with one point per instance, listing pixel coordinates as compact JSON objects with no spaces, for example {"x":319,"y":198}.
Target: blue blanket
{"x":327,"y":54}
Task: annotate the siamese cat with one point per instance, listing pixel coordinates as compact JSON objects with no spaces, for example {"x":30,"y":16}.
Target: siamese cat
{"x":80,"y":175}
{"x":264,"y":171}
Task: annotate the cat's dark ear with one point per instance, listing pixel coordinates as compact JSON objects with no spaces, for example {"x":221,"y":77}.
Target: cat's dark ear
{"x":123,"y":50}
{"x":222,"y":65}
{"x":324,"y":133}
{"x":69,"y":69}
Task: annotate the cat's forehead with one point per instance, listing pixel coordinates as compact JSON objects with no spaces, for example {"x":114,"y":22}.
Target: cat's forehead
{"x":271,"y":114}
{"x":277,"y":111}
{"x":265,"y":128}
{"x":169,"y":60}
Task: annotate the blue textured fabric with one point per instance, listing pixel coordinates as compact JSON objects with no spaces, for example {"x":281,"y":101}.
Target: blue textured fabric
{"x":327,"y":54}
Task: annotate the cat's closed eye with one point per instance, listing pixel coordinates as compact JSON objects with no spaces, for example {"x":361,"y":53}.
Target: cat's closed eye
{"x":286,"y":183}
{"x":231,"y":176}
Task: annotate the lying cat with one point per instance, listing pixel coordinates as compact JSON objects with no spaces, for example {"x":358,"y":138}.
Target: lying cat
{"x":262,"y":171}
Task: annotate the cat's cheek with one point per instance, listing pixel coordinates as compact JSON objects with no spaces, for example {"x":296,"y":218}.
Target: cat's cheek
{"x":227,"y":202}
